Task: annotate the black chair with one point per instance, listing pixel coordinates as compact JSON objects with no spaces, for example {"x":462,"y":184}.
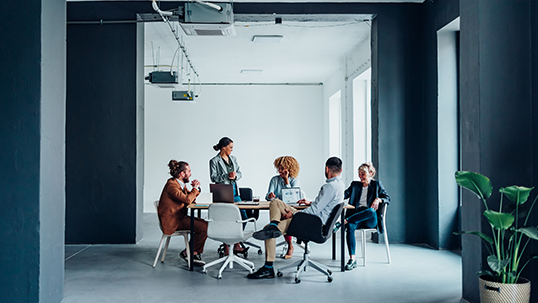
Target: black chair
{"x":246,"y":195}
{"x":306,"y":228}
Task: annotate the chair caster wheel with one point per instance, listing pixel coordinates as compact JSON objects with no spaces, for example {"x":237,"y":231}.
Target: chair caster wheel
{"x":297,"y":281}
{"x":330,"y":279}
{"x":279,"y":274}
{"x":259,"y":251}
{"x":329,"y":272}
{"x":219,"y":277}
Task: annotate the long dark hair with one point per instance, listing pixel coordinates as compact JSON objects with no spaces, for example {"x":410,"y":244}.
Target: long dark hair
{"x":224,"y":141}
{"x":176,"y":167}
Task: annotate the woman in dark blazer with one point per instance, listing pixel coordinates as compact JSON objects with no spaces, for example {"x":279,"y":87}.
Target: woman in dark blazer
{"x":366,"y":195}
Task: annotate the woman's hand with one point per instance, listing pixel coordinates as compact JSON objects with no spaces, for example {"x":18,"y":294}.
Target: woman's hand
{"x":271,"y":196}
{"x":304,"y":201}
{"x":375,"y":204}
{"x":232,"y":175}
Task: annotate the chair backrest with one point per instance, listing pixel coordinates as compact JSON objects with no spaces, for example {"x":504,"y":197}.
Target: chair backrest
{"x":245,"y":193}
{"x":224,"y":222}
{"x":307,"y":227}
{"x":381,"y":217}
{"x":331,"y":221}
{"x":156,"y":204}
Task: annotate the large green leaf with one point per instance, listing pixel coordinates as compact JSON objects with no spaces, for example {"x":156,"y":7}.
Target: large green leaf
{"x":477,"y":183}
{"x":517,"y":194}
{"x":497,"y":265}
{"x":499,"y":220}
{"x":530,"y":231}
{"x":484,"y":237}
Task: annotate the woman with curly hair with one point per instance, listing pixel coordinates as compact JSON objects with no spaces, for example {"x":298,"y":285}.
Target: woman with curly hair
{"x":288,"y":170}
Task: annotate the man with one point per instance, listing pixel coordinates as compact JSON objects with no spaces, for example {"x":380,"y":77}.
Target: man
{"x":281,"y":214}
{"x":173,"y":204}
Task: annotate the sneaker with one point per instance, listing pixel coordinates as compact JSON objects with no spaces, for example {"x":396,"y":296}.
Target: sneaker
{"x":268,"y":232}
{"x":197,"y":260}
{"x":263,"y":273}
{"x":183,"y":255}
{"x":337,"y":226}
{"x":351,"y":264}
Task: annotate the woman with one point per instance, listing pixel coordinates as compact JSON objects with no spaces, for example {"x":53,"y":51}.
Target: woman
{"x":173,"y":204}
{"x":224,"y":169}
{"x":366,"y":195}
{"x":288,"y":170}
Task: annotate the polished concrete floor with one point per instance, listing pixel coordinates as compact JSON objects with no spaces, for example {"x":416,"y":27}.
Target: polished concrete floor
{"x":124,"y":273}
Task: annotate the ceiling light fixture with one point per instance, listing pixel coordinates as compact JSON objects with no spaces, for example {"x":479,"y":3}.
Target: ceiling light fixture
{"x":267,"y":38}
{"x":252,"y":71}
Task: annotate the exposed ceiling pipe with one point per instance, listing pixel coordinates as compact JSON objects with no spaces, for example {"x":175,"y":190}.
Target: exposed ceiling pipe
{"x":217,"y":7}
{"x":158,"y":10}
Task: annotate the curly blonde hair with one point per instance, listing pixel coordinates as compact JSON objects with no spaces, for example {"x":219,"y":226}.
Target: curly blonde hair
{"x":289,"y":163}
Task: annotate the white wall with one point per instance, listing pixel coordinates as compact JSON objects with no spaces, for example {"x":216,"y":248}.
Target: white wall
{"x":264,"y":122}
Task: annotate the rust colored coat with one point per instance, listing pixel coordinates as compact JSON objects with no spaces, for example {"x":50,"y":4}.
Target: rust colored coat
{"x":173,"y":205}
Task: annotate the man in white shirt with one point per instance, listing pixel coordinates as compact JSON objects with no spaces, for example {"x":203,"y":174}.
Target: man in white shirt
{"x":281,"y":214}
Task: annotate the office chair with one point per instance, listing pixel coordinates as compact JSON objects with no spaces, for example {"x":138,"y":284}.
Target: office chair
{"x":225,"y":225}
{"x":381,"y":226}
{"x":183,"y":233}
{"x":306,"y":228}
{"x":246,"y":195}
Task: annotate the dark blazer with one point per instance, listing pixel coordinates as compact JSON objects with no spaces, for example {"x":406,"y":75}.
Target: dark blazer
{"x":375,"y":190}
{"x":173,"y":205}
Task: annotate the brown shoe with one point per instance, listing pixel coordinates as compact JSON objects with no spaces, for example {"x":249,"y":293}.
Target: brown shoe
{"x":289,"y":253}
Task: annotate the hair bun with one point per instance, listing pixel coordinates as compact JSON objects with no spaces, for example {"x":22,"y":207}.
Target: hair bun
{"x":172,"y":164}
{"x":216,"y":147}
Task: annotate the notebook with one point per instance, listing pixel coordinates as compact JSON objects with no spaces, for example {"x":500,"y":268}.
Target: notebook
{"x":291,"y":195}
{"x":222,"y":192}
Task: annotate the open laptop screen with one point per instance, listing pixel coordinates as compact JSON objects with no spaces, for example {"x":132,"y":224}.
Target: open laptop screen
{"x":222,"y":192}
{"x":291,"y":195}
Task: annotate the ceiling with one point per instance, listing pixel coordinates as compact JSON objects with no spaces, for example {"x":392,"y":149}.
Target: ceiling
{"x":308,"y":53}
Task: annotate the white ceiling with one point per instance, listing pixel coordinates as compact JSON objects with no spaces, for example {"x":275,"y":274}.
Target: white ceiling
{"x":308,"y":53}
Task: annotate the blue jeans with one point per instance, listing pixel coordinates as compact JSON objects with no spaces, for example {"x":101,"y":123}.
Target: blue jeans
{"x":364,"y":219}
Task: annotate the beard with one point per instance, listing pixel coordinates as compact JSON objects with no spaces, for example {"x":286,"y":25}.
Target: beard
{"x":185,"y":180}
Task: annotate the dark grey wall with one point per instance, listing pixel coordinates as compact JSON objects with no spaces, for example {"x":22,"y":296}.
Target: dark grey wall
{"x":496,"y":111}
{"x":101,"y":129}
{"x":32,"y":151}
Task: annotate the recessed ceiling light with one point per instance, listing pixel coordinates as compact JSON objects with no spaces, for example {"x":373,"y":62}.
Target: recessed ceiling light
{"x":252,"y":71}
{"x":267,"y":38}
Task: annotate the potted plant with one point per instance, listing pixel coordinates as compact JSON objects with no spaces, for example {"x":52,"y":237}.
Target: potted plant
{"x":506,"y":244}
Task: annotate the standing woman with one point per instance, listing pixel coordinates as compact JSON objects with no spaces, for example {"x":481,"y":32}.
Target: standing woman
{"x":288,"y":171}
{"x":224,"y":169}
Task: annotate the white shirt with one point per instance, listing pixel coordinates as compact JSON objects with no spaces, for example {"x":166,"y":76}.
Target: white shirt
{"x":364,"y":196}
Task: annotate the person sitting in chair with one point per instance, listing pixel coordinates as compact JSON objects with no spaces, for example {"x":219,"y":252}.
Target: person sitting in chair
{"x":173,"y":204}
{"x":288,"y":170}
{"x":366,"y":195}
{"x":281,"y":214}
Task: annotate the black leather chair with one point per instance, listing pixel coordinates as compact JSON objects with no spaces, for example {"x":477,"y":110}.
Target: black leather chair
{"x":306,"y":228}
{"x":246,"y":195}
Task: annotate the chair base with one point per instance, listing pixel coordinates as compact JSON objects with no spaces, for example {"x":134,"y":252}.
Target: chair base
{"x":229,"y":259}
{"x":303,"y":264}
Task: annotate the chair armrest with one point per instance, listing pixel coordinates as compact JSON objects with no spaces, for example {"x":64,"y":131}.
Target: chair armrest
{"x":248,"y":220}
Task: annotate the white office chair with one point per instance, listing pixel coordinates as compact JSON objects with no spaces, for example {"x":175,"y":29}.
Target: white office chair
{"x":383,"y":228}
{"x":183,"y":233}
{"x":225,"y":225}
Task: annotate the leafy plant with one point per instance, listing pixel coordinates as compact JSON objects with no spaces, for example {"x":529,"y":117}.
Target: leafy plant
{"x":510,"y":234}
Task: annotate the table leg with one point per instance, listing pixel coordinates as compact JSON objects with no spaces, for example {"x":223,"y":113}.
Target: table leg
{"x":334,"y":246}
{"x":191,"y":244}
{"x":342,"y":240}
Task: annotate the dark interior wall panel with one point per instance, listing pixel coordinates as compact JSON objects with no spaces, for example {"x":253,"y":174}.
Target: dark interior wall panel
{"x":532,"y":271}
{"x":20,"y":109}
{"x":437,"y":15}
{"x":496,"y":110}
{"x":101,"y":130}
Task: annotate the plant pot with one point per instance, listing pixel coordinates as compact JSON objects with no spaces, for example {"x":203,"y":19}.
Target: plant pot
{"x":495,"y":292}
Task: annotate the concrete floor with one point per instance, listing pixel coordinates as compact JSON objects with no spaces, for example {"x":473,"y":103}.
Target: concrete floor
{"x":124,"y":273}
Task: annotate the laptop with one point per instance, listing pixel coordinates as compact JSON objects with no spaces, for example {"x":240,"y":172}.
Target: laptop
{"x":222,"y":192}
{"x":290,"y":195}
